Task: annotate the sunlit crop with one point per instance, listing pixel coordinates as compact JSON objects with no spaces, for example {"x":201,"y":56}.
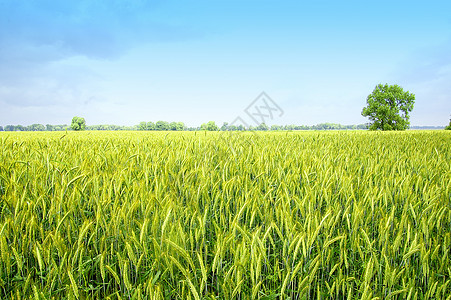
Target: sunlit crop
{"x":218,"y":215}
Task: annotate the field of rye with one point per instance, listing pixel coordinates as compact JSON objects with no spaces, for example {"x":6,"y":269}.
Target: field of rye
{"x":220,"y":215}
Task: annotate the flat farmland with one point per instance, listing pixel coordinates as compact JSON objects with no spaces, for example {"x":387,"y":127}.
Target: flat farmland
{"x":221,"y":215}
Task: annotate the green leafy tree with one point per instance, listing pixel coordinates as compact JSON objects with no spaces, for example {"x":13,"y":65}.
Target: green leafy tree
{"x":262,"y":127}
{"x":173,"y":126}
{"x":150,"y":126}
{"x":449,"y":126}
{"x":176,"y":126}
{"x":225,"y":126}
{"x":78,"y":123}
{"x":388,"y":108}
{"x":36,"y":127}
{"x":162,"y":126}
{"x":210,"y":126}
{"x":142,"y":126}
{"x":180,"y":126}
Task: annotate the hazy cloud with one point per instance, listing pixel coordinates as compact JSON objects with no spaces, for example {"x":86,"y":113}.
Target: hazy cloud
{"x":96,"y":29}
{"x":35,"y":36}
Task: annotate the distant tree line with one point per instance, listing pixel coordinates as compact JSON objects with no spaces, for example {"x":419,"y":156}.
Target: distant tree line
{"x":111,"y":127}
{"x":264,"y":127}
{"x":48,"y":127}
{"x":180,"y":126}
{"x":35,"y":127}
{"x":162,"y":126}
{"x":427,"y":127}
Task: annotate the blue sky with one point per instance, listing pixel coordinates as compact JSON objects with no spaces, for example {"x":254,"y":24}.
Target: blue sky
{"x":122,"y":62}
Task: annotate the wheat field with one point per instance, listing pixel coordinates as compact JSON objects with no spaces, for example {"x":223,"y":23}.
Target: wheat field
{"x":220,"y":215}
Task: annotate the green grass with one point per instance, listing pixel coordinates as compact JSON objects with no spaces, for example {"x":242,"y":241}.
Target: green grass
{"x":217,"y":215}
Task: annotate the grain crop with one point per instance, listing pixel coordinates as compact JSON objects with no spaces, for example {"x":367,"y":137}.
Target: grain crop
{"x":221,"y":215}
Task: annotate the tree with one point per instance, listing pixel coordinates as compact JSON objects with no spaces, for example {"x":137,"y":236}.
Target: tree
{"x":1,"y":128}
{"x":262,"y":127}
{"x":162,"y":126}
{"x":388,"y":108}
{"x":210,"y":126}
{"x":449,"y":126}
{"x":180,"y":126}
{"x":142,"y":126}
{"x":36,"y":127}
{"x":225,"y":126}
{"x":173,"y":126}
{"x":150,"y":126}
{"x":78,"y":123}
